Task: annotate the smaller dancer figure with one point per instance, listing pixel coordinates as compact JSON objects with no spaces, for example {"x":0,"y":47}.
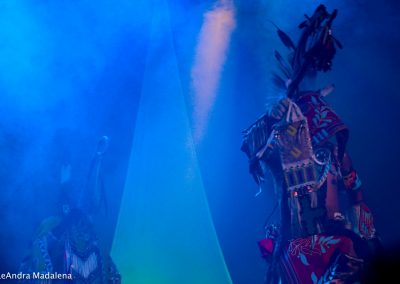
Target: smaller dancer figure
{"x":66,"y":244}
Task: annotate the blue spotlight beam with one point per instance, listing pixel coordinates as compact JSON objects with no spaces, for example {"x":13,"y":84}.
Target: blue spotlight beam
{"x":165,"y":233}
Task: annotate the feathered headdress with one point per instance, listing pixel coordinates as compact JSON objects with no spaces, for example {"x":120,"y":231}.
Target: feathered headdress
{"x":315,"y":51}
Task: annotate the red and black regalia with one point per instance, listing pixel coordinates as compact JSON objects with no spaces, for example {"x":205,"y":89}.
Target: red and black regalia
{"x":326,"y":228}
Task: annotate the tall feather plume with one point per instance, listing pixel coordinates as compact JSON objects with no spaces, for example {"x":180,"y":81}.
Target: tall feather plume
{"x":278,"y":81}
{"x":290,"y":58}
{"x":286,"y":40}
{"x":284,"y":67}
{"x":338,"y":43}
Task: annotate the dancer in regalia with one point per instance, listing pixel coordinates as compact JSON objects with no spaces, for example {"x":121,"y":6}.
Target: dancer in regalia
{"x":326,"y":231}
{"x":66,"y":243}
